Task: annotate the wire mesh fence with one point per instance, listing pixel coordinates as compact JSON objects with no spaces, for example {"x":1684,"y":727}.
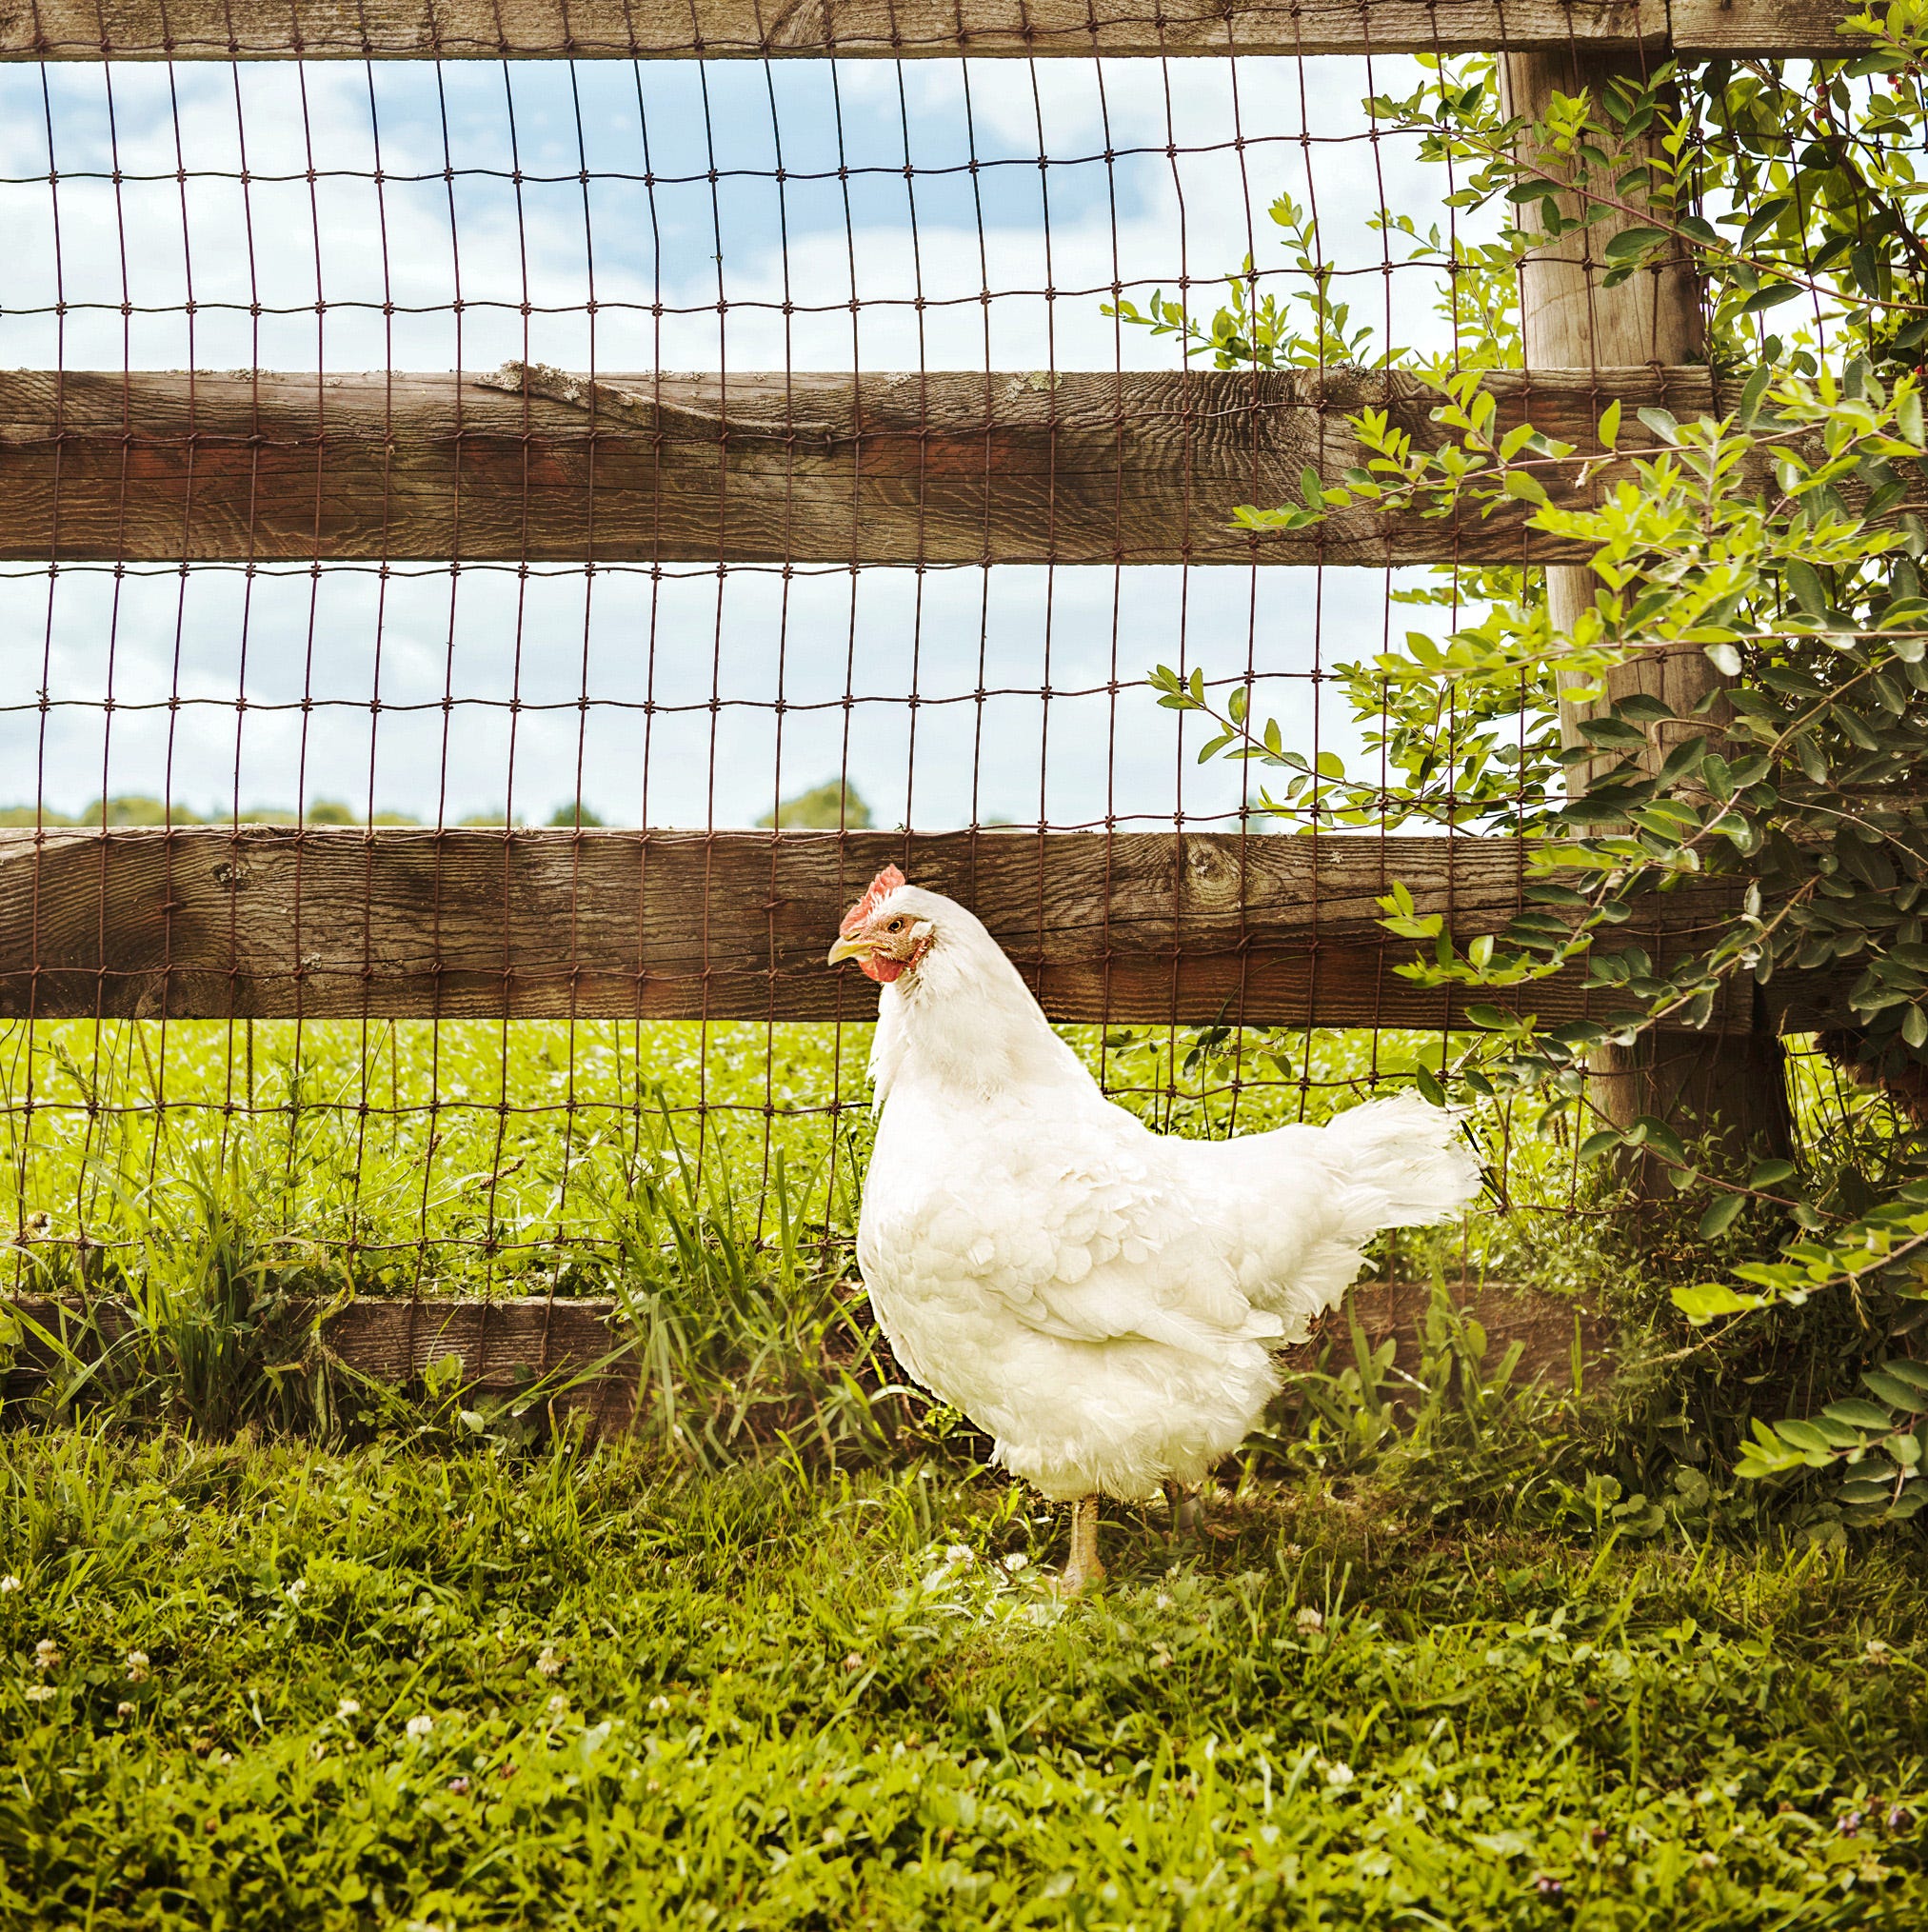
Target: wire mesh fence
{"x":510,"y":546}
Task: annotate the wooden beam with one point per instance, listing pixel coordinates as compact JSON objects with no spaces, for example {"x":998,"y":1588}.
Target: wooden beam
{"x":941,"y":468}
{"x":505,"y":1342}
{"x":1732,"y":1084}
{"x":280,"y":921}
{"x":357,"y":29}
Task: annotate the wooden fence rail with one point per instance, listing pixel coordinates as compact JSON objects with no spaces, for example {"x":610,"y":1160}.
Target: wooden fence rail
{"x":267,"y":922}
{"x":358,"y":30}
{"x":886,"y":469}
{"x":504,"y":1343}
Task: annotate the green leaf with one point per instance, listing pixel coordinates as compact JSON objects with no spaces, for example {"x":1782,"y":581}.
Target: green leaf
{"x":1893,"y":1391}
{"x":1858,"y":1414}
{"x":1706,"y":1300}
{"x":1804,"y":1435}
{"x":1914,"y":1373}
{"x":1771,"y":1173}
{"x":1770,"y":295}
{"x":1720,"y":1217}
{"x":1864,"y":1489}
{"x":1631,"y":245}
{"x":1765,"y":218}
{"x":1643,"y":709}
{"x":1610,"y":426}
{"x":1805,"y":581}
{"x":1613,"y":732}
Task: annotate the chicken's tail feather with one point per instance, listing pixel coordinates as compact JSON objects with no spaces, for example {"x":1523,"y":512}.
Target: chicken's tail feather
{"x":1404,"y":1160}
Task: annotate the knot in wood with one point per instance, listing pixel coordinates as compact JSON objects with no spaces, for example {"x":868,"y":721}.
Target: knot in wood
{"x":1210,"y":872}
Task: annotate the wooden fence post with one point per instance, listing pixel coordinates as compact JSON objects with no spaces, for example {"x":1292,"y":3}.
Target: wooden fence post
{"x":1732,"y":1082}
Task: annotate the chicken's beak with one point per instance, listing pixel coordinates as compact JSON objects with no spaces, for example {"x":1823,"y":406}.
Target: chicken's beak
{"x":853,"y":946}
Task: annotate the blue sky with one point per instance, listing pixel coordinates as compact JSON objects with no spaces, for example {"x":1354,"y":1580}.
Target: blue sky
{"x":650,"y":229}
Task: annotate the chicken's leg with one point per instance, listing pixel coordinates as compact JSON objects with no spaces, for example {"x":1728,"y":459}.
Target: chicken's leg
{"x":1082,"y":1566}
{"x":1188,"y":1512}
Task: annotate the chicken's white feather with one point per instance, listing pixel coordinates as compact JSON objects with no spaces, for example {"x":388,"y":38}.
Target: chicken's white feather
{"x":1105,"y":1300}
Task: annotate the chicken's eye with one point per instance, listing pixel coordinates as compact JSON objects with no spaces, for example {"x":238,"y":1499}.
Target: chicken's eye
{"x":895,"y":926}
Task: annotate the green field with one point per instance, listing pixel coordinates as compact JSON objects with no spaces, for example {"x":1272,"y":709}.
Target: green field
{"x":477,"y":1156}
{"x":284,"y":1650}
{"x":292,"y":1687}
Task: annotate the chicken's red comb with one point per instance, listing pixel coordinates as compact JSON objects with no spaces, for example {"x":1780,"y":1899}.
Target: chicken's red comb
{"x":885,"y":883}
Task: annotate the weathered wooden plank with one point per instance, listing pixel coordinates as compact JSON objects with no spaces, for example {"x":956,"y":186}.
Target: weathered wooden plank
{"x":888,"y":468}
{"x":279,"y":922}
{"x":1545,"y":1326}
{"x":504,"y":1343}
{"x":1573,"y":315}
{"x":326,"y":30}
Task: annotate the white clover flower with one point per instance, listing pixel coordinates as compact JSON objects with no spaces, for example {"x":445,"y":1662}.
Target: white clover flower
{"x":659,"y":1705}
{"x":420,"y":1726}
{"x":8,"y":1585}
{"x":124,"y":1709}
{"x":46,"y":1654}
{"x":39,"y":1693}
{"x":549,"y":1662}
{"x":1309,"y":1619}
{"x":347,"y":1709}
{"x":958,"y":1554}
{"x":1339,"y":1776}
{"x":559,"y":1705}
{"x":137,"y":1666}
{"x":1016,"y":1561}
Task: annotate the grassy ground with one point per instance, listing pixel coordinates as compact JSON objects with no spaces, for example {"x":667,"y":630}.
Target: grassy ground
{"x":292,"y":1687}
{"x":276,"y":1652}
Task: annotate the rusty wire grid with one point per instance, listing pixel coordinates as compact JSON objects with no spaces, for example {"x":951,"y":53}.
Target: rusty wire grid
{"x":752,"y":489}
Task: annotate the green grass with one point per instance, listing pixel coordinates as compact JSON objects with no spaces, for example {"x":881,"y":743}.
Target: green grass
{"x":1488,"y":1657}
{"x":385,"y":1687}
{"x":488,"y":1157}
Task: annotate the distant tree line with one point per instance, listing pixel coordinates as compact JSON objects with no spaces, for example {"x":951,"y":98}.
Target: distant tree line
{"x":830,"y":807}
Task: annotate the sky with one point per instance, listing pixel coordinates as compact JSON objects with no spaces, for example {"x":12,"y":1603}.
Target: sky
{"x":665,"y":214}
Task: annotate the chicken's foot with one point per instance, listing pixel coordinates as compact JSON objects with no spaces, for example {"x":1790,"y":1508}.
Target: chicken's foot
{"x":1083,"y":1566}
{"x":1188,"y":1512}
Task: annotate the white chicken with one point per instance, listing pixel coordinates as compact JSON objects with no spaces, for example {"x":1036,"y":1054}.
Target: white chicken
{"x":1103,"y":1300}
